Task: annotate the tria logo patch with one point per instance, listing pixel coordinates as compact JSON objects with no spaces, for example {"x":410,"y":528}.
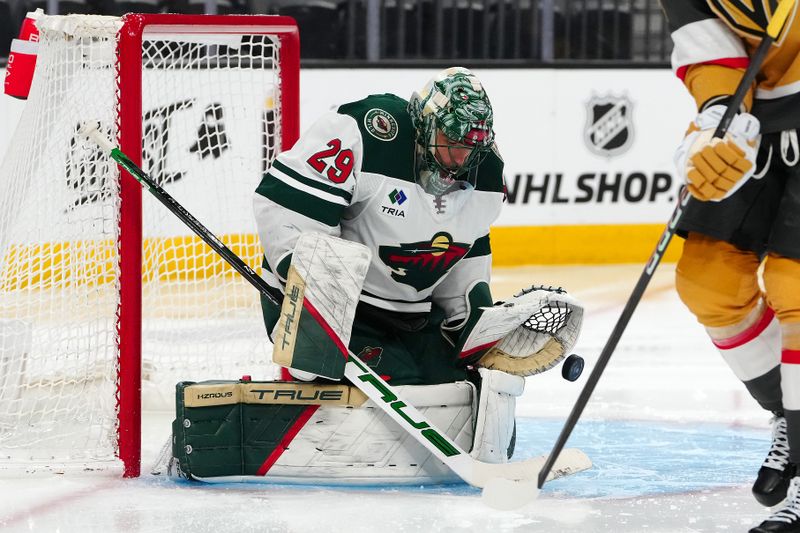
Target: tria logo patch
{"x":422,"y":264}
{"x":397,"y":196}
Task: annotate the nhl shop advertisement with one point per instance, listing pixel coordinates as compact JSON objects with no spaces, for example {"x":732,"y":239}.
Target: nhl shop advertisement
{"x":581,"y":146}
{"x":596,"y":147}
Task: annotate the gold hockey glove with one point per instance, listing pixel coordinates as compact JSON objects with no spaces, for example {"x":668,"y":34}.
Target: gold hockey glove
{"x":716,"y":168}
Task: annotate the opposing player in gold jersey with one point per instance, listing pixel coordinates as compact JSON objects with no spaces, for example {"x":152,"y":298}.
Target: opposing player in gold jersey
{"x":748,"y":217}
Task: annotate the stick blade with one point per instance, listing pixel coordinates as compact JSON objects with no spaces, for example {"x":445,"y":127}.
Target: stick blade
{"x":570,"y":461}
{"x":507,"y":495}
{"x":521,"y":488}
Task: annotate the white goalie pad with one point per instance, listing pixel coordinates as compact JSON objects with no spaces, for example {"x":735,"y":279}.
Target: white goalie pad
{"x":533,"y":331}
{"x":310,"y":433}
{"x":494,"y":416}
{"x":322,"y":289}
{"x":361,"y":445}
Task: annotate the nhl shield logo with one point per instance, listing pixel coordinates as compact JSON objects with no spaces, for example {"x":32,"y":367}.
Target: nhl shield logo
{"x":609,"y":126}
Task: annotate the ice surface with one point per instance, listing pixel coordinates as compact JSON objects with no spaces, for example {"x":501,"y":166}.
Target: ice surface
{"x":674,"y":437}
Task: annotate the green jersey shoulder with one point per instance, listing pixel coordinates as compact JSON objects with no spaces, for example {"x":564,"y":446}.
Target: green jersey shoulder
{"x":387,"y":134}
{"x":389,"y":142}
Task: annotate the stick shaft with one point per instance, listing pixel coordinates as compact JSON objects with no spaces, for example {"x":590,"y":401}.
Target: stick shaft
{"x":616,"y":334}
{"x":186,"y":217}
{"x":744,"y":86}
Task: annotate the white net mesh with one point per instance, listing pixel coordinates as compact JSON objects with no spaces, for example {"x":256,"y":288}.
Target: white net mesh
{"x":210,"y":124}
{"x":201,"y":320}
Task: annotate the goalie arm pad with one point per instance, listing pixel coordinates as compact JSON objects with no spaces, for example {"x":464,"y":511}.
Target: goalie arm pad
{"x":530,"y":333}
{"x":294,"y":197}
{"x":457,"y":331}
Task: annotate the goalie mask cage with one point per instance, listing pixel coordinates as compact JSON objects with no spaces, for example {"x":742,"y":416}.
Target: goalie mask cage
{"x":106,"y":298}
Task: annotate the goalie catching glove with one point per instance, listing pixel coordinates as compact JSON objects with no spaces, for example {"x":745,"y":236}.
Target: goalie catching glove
{"x":715,"y":168}
{"x":530,"y":333}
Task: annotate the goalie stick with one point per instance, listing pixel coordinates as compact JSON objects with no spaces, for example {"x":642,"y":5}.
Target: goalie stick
{"x":506,"y":486}
{"x":771,"y":33}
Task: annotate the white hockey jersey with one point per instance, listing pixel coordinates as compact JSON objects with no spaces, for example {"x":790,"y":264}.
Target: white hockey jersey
{"x":351,"y":175}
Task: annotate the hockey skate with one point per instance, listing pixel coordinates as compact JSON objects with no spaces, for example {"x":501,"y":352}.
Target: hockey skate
{"x":787,"y":518}
{"x":775,"y":473}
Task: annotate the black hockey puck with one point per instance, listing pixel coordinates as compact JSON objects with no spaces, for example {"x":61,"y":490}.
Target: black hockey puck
{"x":572,"y":368}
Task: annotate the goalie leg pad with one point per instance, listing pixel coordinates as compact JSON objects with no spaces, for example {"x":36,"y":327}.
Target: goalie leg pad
{"x":322,"y":288}
{"x":288,"y":432}
{"x":494,"y":418}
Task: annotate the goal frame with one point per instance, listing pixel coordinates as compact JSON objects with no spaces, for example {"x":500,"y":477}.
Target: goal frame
{"x":129,"y":116}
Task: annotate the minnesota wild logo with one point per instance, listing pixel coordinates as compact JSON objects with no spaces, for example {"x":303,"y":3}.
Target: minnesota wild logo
{"x":371,"y":355}
{"x":380,"y":124}
{"x":421,"y":264}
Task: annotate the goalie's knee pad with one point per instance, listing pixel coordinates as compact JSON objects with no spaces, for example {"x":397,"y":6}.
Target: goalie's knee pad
{"x":494,"y":417}
{"x":323,"y":284}
{"x":717,"y":281}
{"x":782,"y":284}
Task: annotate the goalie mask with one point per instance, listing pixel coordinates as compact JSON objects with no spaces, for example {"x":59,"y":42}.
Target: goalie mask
{"x":453,"y":119}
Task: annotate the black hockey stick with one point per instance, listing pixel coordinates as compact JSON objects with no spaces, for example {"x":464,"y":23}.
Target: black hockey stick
{"x":772,"y":31}
{"x":505,"y":485}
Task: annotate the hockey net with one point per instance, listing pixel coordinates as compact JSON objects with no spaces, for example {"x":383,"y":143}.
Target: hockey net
{"x":204,"y":103}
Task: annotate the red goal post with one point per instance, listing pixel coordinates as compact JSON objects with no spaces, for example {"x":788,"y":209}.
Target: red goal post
{"x":130,"y":141}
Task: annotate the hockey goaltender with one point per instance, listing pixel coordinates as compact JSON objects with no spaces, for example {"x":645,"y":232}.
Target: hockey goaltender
{"x":375,"y":230}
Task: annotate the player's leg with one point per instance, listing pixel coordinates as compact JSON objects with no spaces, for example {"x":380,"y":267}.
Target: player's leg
{"x":494,"y":408}
{"x":782,"y":285}
{"x":717,"y":279}
{"x":406,"y":349}
{"x":718,"y":282}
